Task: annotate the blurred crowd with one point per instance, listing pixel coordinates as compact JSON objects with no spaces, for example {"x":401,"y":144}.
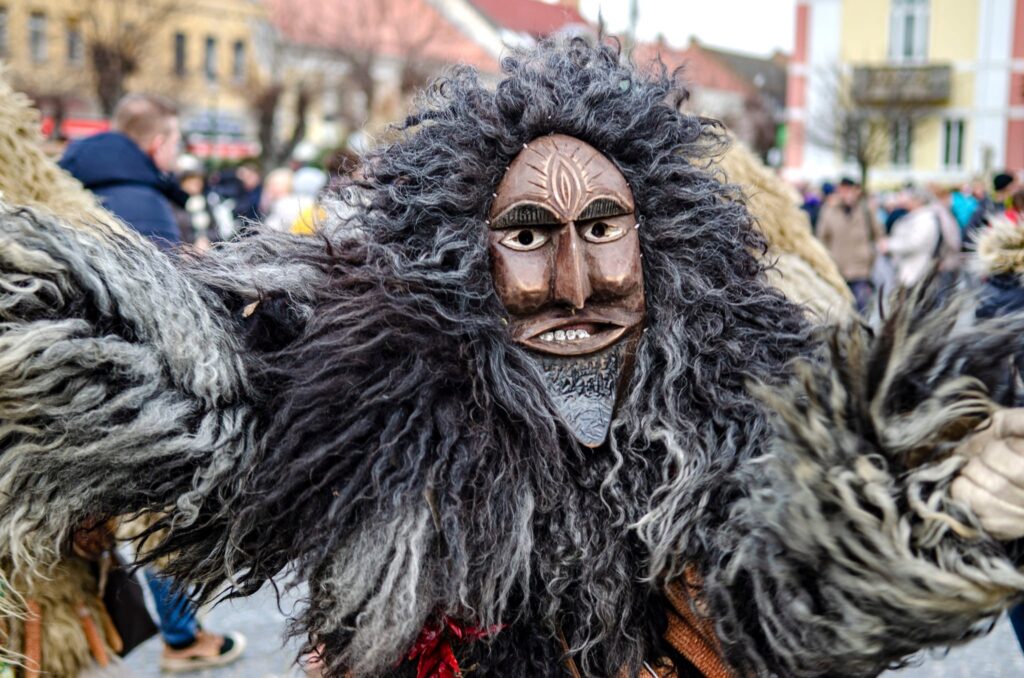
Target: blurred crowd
{"x":221,"y":204}
{"x":895,"y":237}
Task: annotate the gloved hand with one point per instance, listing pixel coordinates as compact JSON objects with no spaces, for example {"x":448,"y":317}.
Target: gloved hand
{"x":992,"y":481}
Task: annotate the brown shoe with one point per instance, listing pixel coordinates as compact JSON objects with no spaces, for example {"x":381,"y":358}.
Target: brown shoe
{"x":208,"y":651}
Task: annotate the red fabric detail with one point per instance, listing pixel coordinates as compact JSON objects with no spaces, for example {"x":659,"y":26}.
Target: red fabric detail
{"x":433,"y":652}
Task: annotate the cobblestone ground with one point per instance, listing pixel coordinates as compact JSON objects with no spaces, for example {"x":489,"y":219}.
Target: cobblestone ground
{"x":995,"y":656}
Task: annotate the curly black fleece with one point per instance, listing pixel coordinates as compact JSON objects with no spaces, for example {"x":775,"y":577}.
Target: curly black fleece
{"x":410,"y":464}
{"x":389,"y":444}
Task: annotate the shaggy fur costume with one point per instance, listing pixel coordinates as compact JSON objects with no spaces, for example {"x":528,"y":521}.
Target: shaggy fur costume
{"x":28,"y":177}
{"x":372,"y":428}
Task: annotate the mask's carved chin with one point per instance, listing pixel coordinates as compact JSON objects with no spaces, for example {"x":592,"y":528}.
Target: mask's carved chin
{"x":584,"y":389}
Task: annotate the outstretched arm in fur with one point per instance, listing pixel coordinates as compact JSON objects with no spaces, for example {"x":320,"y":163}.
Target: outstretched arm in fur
{"x":121,"y":387}
{"x":849,"y":553}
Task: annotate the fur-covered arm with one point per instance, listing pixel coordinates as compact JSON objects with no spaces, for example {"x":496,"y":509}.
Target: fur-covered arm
{"x":122,"y":386}
{"x":847,"y":553}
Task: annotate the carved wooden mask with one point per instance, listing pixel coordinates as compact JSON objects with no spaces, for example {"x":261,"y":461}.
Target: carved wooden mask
{"x":566,"y":263}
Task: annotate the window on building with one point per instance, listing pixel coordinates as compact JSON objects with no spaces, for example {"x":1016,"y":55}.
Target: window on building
{"x":76,"y":46}
{"x":238,"y":61}
{"x":901,"y":135}
{"x":210,"y":59}
{"x":37,"y":36}
{"x":953,"y":144}
{"x":908,"y":30}
{"x":180,"y":55}
{"x":3,"y":31}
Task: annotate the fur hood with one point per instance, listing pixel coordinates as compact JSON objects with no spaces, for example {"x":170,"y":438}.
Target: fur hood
{"x":1000,"y":248}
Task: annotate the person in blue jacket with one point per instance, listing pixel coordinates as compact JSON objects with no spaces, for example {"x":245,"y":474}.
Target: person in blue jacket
{"x":129,"y":167}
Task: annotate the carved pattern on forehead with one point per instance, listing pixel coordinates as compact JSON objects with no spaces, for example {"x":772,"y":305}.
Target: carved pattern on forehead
{"x":563,"y":174}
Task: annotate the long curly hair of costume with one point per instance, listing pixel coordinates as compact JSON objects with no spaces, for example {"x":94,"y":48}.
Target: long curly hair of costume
{"x":404,"y":458}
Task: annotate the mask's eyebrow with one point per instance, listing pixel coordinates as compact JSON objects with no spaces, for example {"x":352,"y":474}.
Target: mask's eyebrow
{"x":525,"y":215}
{"x":603,"y":207}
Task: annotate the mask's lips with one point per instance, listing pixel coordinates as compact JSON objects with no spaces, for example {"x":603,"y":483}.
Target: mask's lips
{"x":574,"y":335}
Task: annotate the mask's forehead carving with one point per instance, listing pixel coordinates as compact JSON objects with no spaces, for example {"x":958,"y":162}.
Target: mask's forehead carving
{"x":558,"y":179}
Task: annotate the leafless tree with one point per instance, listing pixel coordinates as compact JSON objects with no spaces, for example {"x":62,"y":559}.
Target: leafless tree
{"x":283,"y":83}
{"x":860,"y":121}
{"x":266,"y":102}
{"x":118,"y":34}
{"x":362,"y":36}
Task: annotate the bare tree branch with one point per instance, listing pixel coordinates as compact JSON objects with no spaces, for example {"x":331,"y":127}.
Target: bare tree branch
{"x":118,"y":35}
{"x":858,"y":126}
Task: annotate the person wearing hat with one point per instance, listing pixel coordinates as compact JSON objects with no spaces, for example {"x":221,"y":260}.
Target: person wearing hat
{"x":851,"y":233}
{"x":1003,"y":185}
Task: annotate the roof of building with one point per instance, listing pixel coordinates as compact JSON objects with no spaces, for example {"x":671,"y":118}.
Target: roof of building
{"x":717,"y":69}
{"x":395,"y":28}
{"x":534,"y":17}
{"x":767,"y":74}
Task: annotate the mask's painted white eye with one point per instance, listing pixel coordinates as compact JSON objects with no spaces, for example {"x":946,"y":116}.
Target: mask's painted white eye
{"x":602,"y":231}
{"x":525,"y":239}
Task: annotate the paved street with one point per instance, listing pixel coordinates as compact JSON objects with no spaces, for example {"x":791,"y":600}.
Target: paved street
{"x":995,"y":656}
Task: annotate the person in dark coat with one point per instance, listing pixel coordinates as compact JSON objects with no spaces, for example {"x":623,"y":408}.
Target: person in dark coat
{"x":128,"y":168}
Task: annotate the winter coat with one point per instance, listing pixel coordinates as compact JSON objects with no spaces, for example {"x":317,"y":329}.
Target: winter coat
{"x":128,"y":184}
{"x":921,"y":237}
{"x":850,"y":235}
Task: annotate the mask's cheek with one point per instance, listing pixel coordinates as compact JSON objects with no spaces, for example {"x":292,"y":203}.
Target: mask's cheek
{"x":615,"y":268}
{"x":521,"y":279}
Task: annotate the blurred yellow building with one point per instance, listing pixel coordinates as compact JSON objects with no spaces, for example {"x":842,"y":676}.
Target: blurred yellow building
{"x":955,"y":67}
{"x":199,"y":53}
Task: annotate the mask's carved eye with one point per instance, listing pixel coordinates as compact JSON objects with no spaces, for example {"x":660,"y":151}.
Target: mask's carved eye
{"x":525,"y":239}
{"x":602,"y":232}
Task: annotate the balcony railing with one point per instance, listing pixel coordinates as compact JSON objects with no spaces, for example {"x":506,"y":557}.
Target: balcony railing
{"x":882,"y":85}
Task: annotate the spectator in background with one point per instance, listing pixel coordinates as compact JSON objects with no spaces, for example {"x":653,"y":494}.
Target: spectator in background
{"x":1015,"y":213}
{"x":811,"y":204}
{"x":851,"y":233}
{"x":307,"y":183}
{"x":277,"y":185}
{"x":128,"y":168}
{"x":950,"y":254}
{"x":247,"y":207}
{"x":1003,"y":186}
{"x":195,"y":218}
{"x":922,"y":237}
{"x":896,"y":209}
{"x":965,"y":203}
{"x":339,"y":165}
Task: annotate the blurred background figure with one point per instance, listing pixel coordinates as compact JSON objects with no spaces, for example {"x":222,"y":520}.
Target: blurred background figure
{"x":1015,"y":211}
{"x":926,"y":235}
{"x":1003,"y":186}
{"x":248,"y":205}
{"x":129,"y":167}
{"x":297,"y":206}
{"x":851,"y":233}
{"x":277,"y":185}
{"x":198,"y":227}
